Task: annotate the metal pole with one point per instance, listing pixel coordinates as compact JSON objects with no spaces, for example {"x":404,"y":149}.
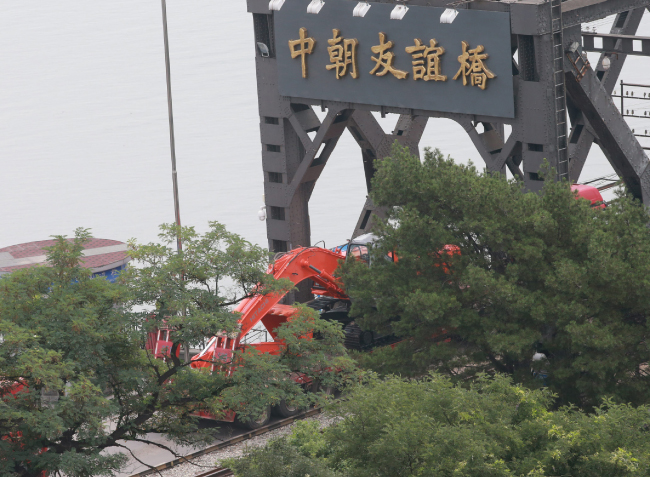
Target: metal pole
{"x":622,"y":111}
{"x":172,"y":142}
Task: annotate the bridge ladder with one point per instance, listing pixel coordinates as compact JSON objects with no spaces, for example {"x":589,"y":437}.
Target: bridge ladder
{"x":559,"y":90}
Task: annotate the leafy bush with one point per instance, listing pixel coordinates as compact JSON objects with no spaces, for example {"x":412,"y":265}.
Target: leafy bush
{"x":279,"y":459}
{"x":396,"y":427}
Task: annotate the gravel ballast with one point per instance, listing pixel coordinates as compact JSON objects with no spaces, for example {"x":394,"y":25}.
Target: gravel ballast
{"x":209,"y":461}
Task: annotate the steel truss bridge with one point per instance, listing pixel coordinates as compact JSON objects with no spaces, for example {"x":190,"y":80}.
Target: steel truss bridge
{"x":563,"y":106}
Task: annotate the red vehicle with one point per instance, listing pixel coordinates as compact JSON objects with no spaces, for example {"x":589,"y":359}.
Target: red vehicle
{"x":300,"y":264}
{"x":592,"y":194}
{"x":313,"y":263}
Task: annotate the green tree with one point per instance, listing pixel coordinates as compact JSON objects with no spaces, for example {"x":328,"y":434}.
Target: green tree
{"x":279,"y":459}
{"x":536,"y":273}
{"x":432,"y":427}
{"x":82,"y":338}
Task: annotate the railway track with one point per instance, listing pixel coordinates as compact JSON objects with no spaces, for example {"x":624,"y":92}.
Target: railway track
{"x":221,"y":472}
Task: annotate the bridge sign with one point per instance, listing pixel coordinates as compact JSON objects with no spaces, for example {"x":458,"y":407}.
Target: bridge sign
{"x":414,"y":63}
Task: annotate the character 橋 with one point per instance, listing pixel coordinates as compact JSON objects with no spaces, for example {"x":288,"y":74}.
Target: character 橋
{"x":476,"y":70}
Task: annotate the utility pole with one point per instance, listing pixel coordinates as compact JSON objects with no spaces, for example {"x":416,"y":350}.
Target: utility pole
{"x":172,"y":144}
{"x":172,"y":141}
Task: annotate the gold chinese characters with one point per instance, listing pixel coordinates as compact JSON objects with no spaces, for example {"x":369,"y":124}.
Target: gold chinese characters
{"x":306,"y":46}
{"x":426,"y":59}
{"x":385,"y":59}
{"x":342,"y":53}
{"x":476,"y":69}
{"x":431,"y":55}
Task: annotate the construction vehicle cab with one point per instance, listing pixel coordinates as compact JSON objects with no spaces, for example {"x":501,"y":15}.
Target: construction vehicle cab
{"x":359,"y":247}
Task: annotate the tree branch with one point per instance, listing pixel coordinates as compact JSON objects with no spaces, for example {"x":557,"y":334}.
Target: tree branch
{"x":136,"y":459}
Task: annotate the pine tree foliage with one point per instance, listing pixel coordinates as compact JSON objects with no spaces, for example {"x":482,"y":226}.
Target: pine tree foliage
{"x":535,"y":273}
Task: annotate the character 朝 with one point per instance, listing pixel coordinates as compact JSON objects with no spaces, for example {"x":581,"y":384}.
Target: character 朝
{"x":342,"y":53}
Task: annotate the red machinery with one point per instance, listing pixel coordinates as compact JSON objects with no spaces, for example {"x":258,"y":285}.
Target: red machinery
{"x":592,"y":194}
{"x":300,"y":264}
{"x":314,"y":263}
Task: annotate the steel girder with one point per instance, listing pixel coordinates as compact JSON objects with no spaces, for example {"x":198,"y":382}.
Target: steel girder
{"x":576,"y":12}
{"x":375,"y":143}
{"x":582,"y":134}
{"x":614,"y":135}
{"x":614,"y":44}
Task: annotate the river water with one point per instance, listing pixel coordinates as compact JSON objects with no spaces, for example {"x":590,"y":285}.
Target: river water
{"x":83,"y":123}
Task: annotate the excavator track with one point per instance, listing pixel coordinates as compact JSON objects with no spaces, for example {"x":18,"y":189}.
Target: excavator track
{"x":352,"y":335}
{"x":359,"y":340}
{"x":356,"y":338}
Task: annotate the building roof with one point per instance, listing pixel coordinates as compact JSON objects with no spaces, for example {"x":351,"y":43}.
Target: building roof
{"x":100,"y":255}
